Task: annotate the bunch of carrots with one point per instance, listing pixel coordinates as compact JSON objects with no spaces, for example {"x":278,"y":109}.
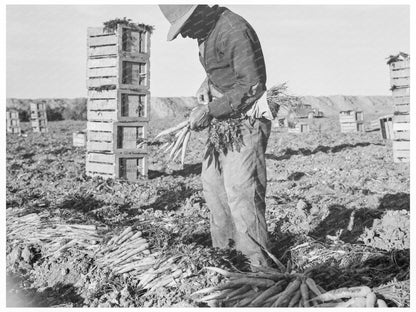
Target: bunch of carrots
{"x":271,"y":288}
{"x":181,"y":139}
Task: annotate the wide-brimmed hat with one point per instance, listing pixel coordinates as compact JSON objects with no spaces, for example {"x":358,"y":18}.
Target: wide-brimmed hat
{"x":177,"y":15}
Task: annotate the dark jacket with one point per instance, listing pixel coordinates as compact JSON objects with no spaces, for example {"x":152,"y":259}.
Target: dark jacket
{"x":234,"y":63}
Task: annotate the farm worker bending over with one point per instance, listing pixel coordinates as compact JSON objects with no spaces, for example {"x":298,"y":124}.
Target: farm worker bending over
{"x":232,"y":105}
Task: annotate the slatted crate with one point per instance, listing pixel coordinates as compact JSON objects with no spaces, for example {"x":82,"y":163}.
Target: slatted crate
{"x":118,"y":105}
{"x":117,"y":137}
{"x":350,"y":116}
{"x":347,"y":127}
{"x":13,"y":122}
{"x":400,"y":85}
{"x":386,"y":127}
{"x":131,"y":167}
{"x":79,"y":139}
{"x":299,"y":128}
{"x":38,"y":117}
{"x":120,"y":59}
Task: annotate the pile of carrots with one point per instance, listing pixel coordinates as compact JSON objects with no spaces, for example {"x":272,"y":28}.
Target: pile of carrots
{"x":271,"y":288}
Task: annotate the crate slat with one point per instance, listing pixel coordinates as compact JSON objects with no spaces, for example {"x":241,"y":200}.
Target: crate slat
{"x":403,"y":108}
{"x":400,"y":82}
{"x":107,"y":104}
{"x":401,"y":145}
{"x":100,"y":136}
{"x":401,"y":92}
{"x":401,"y":126}
{"x":400,"y":64}
{"x":401,"y":118}
{"x":102,"y":51}
{"x":109,"y":94}
{"x":102,"y":62}
{"x":102,"y":40}
{"x":399,"y":73}
{"x":399,"y":100}
{"x":347,"y":119}
{"x":98,"y":31}
{"x":100,"y":126}
{"x":94,"y":146}
{"x":100,"y":168}
{"x":401,"y":135}
{"x":102,"y":115}
{"x":101,"y":158}
{"x":103,"y":72}
{"x":99,"y":82}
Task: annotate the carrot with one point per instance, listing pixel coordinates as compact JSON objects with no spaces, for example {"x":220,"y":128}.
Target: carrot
{"x":291,"y":288}
{"x":295,"y":299}
{"x":371,"y":299}
{"x":312,"y":286}
{"x":276,"y":288}
{"x":184,"y":146}
{"x":354,"y":302}
{"x":177,"y":154}
{"x":169,"y":147}
{"x":305,"y":294}
{"x":259,"y":282}
{"x":179,"y":141}
{"x":344,"y":292}
{"x":173,"y":129}
{"x":125,"y":232}
{"x":381,"y":303}
{"x":246,"y":301}
{"x":243,"y":289}
{"x":216,"y":296}
{"x":124,"y":238}
{"x":248,"y":293}
{"x":275,"y":276}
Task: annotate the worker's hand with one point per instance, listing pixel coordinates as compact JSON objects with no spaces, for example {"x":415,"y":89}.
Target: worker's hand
{"x":203,"y":94}
{"x":200,"y":117}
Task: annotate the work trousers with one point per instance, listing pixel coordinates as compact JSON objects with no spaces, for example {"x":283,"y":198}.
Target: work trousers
{"x":235,"y":193}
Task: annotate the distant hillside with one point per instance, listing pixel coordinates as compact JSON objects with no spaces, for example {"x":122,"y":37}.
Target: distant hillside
{"x":169,"y":107}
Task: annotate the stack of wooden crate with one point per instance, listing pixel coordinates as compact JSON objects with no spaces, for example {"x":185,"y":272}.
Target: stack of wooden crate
{"x":13,"y":122}
{"x":351,"y":121}
{"x":300,"y":127}
{"x":118,"y":102}
{"x":38,"y":117}
{"x":400,"y":86}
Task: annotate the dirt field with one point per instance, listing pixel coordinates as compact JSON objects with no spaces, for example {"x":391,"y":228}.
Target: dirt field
{"x":336,"y":204}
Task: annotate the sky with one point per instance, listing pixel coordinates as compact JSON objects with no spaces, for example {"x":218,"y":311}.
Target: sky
{"x":318,"y":50}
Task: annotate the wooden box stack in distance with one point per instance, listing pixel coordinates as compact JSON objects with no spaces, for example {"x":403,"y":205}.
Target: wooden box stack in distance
{"x":13,"y":122}
{"x":299,"y":128}
{"x":351,"y":121}
{"x":400,"y":85}
{"x":118,"y":107}
{"x":79,"y":139}
{"x":38,"y":117}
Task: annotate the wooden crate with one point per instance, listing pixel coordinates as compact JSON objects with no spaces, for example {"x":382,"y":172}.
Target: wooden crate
{"x":347,"y":127}
{"x":401,"y":151}
{"x":386,"y":127}
{"x":13,"y":122}
{"x":350,"y":116}
{"x":130,"y":167}
{"x":120,"y":59}
{"x":35,"y":107}
{"x":79,"y":139}
{"x":299,"y":128}
{"x":40,"y":129}
{"x":121,"y":105}
{"x":122,"y":137}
